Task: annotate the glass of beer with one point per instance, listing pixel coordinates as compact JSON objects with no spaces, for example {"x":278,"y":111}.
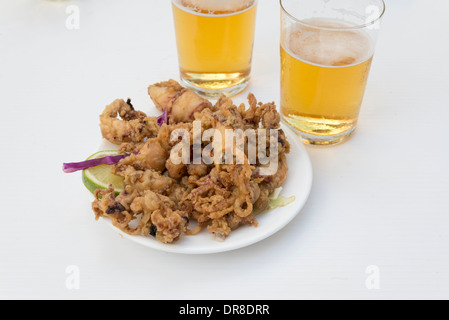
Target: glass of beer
{"x":215,"y":44}
{"x":327,"y":47}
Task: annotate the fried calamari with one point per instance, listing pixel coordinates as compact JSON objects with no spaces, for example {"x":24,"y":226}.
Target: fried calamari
{"x":133,"y":127}
{"x":163,"y":197}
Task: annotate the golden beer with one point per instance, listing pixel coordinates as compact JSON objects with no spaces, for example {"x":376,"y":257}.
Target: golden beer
{"x":324,"y":71}
{"x":215,"y":44}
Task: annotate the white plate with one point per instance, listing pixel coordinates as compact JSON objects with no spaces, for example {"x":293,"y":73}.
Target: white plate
{"x":298,"y":184}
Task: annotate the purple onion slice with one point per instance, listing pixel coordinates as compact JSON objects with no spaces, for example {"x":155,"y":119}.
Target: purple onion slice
{"x":163,"y":118}
{"x":77,"y":166}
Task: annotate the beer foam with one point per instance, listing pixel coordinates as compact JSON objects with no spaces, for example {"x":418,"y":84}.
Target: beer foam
{"x":217,"y":5}
{"x":332,"y":45}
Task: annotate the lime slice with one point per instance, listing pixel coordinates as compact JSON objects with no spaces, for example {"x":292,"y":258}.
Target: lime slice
{"x":100,"y":177}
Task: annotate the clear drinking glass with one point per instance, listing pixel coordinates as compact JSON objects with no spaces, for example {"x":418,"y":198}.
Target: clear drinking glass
{"x":215,"y":44}
{"x":327,"y":47}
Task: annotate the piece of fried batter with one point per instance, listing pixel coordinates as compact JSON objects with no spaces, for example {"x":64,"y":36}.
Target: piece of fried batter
{"x":180,"y":103}
{"x":162,"y":197}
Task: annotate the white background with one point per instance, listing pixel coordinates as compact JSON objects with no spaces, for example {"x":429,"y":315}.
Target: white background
{"x":380,"y":199}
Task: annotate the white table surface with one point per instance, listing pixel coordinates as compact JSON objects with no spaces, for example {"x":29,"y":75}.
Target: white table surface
{"x":381,"y":199}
